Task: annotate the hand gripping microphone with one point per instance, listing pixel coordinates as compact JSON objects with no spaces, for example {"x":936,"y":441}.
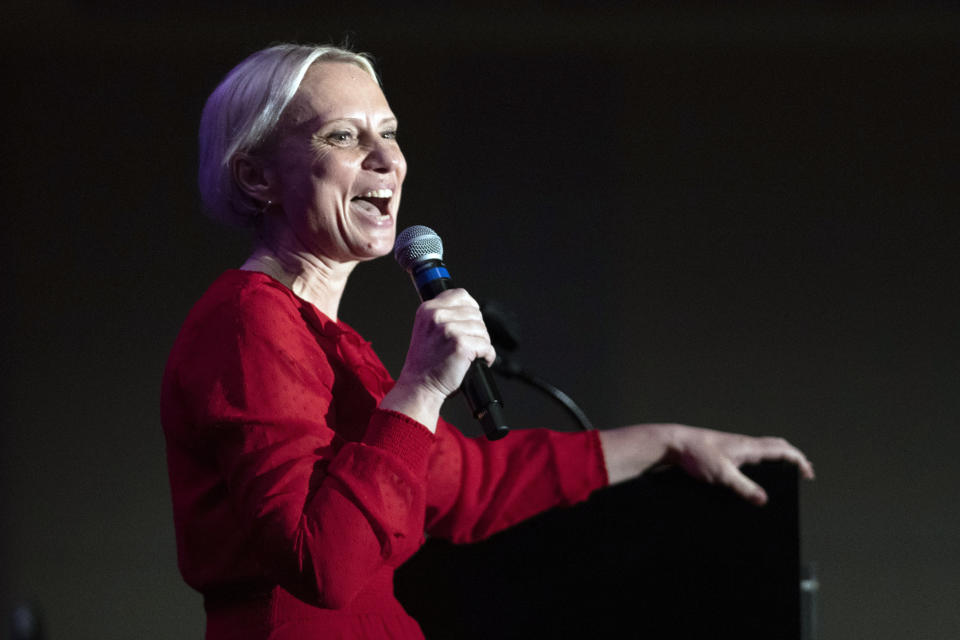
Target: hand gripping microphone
{"x":420,"y":252}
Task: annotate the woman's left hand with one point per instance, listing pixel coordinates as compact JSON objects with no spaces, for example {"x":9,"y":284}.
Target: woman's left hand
{"x":712,"y":456}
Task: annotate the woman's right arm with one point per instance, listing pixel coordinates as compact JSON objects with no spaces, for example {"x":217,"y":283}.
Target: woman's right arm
{"x":321,"y":515}
{"x":263,"y":487}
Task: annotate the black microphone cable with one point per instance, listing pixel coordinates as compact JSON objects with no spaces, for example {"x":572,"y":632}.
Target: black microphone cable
{"x":505,"y":335}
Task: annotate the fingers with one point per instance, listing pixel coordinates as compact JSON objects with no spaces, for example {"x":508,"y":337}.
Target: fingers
{"x":745,"y":449}
{"x":457,"y":320}
{"x":716,"y":457}
{"x":448,"y":335}
{"x":453,"y":297}
{"x":760,"y":449}
{"x":458,"y":317}
{"x":744,"y":486}
{"x":715,"y":466}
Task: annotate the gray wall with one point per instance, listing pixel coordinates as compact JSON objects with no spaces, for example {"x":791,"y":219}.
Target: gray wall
{"x":742,"y":219}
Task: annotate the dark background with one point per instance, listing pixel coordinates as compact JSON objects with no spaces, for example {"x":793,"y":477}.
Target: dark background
{"x":742,"y":217}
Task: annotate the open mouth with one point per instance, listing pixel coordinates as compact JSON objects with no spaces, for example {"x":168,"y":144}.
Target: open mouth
{"x":377,"y":198}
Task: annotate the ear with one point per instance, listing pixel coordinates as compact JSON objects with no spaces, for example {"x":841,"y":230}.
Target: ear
{"x":254,"y":177}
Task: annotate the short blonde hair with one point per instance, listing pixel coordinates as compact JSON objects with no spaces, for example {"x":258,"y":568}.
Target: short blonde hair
{"x":242,"y":113}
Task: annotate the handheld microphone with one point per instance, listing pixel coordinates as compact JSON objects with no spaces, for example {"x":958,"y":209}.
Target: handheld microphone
{"x":419,"y":250}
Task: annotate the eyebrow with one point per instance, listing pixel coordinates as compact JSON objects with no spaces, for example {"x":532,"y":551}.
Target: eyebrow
{"x":314,"y":123}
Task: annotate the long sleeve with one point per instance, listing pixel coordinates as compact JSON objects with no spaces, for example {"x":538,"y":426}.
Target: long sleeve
{"x":263,"y":485}
{"x":295,"y":497}
{"x":477,"y":487}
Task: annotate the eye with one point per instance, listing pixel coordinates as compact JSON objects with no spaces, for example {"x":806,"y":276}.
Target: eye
{"x":390,"y":134}
{"x":340,"y":137}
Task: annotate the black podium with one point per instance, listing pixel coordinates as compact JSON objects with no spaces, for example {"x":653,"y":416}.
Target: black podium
{"x":661,"y":556}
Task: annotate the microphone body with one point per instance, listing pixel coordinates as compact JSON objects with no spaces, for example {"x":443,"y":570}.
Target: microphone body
{"x":430,"y":278}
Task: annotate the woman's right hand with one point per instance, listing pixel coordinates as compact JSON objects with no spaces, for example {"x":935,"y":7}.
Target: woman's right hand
{"x":448,"y":334}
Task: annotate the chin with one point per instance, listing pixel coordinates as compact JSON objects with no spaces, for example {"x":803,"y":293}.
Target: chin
{"x":376,"y":249}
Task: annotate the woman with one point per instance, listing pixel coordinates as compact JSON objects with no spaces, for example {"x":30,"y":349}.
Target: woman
{"x":302,"y":475}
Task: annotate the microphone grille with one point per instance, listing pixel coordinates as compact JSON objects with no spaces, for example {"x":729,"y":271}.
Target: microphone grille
{"x":415,"y":244}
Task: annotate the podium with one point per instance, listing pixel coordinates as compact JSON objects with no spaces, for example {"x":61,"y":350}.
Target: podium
{"x":660,"y":556}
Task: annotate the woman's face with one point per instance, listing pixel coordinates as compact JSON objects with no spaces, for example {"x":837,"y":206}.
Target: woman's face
{"x":336,"y":165}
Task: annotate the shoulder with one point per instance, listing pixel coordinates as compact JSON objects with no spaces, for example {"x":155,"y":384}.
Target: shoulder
{"x":246,"y":353}
{"x":245,"y":305}
{"x":247,"y":322}
{"x":248,"y":300}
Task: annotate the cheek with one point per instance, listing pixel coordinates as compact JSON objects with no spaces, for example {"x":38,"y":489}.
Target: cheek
{"x":334,"y":177}
{"x":315,"y":187}
{"x":298,"y":179}
{"x":300,"y":194}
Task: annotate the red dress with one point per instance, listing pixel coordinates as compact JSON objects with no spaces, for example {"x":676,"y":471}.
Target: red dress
{"x":295,"y":498}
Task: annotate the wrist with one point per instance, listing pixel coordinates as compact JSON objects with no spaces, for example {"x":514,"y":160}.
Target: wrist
{"x":631,"y":451}
{"x":416,"y":402}
{"x":671,"y":439}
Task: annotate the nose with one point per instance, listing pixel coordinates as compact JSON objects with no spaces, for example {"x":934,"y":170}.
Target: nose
{"x":384,"y":156}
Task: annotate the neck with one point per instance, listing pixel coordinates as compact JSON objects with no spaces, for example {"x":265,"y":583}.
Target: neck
{"x":315,"y":279}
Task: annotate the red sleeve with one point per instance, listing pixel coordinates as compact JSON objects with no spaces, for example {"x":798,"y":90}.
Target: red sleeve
{"x":477,"y":487}
{"x":321,"y":515}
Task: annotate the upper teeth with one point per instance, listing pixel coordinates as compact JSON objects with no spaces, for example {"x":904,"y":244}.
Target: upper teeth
{"x":378,"y":193}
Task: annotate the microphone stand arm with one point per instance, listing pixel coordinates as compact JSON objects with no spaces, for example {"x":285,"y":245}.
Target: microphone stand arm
{"x":510,"y":368}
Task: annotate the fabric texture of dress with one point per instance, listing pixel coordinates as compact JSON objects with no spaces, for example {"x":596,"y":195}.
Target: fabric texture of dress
{"x":295,"y":497}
